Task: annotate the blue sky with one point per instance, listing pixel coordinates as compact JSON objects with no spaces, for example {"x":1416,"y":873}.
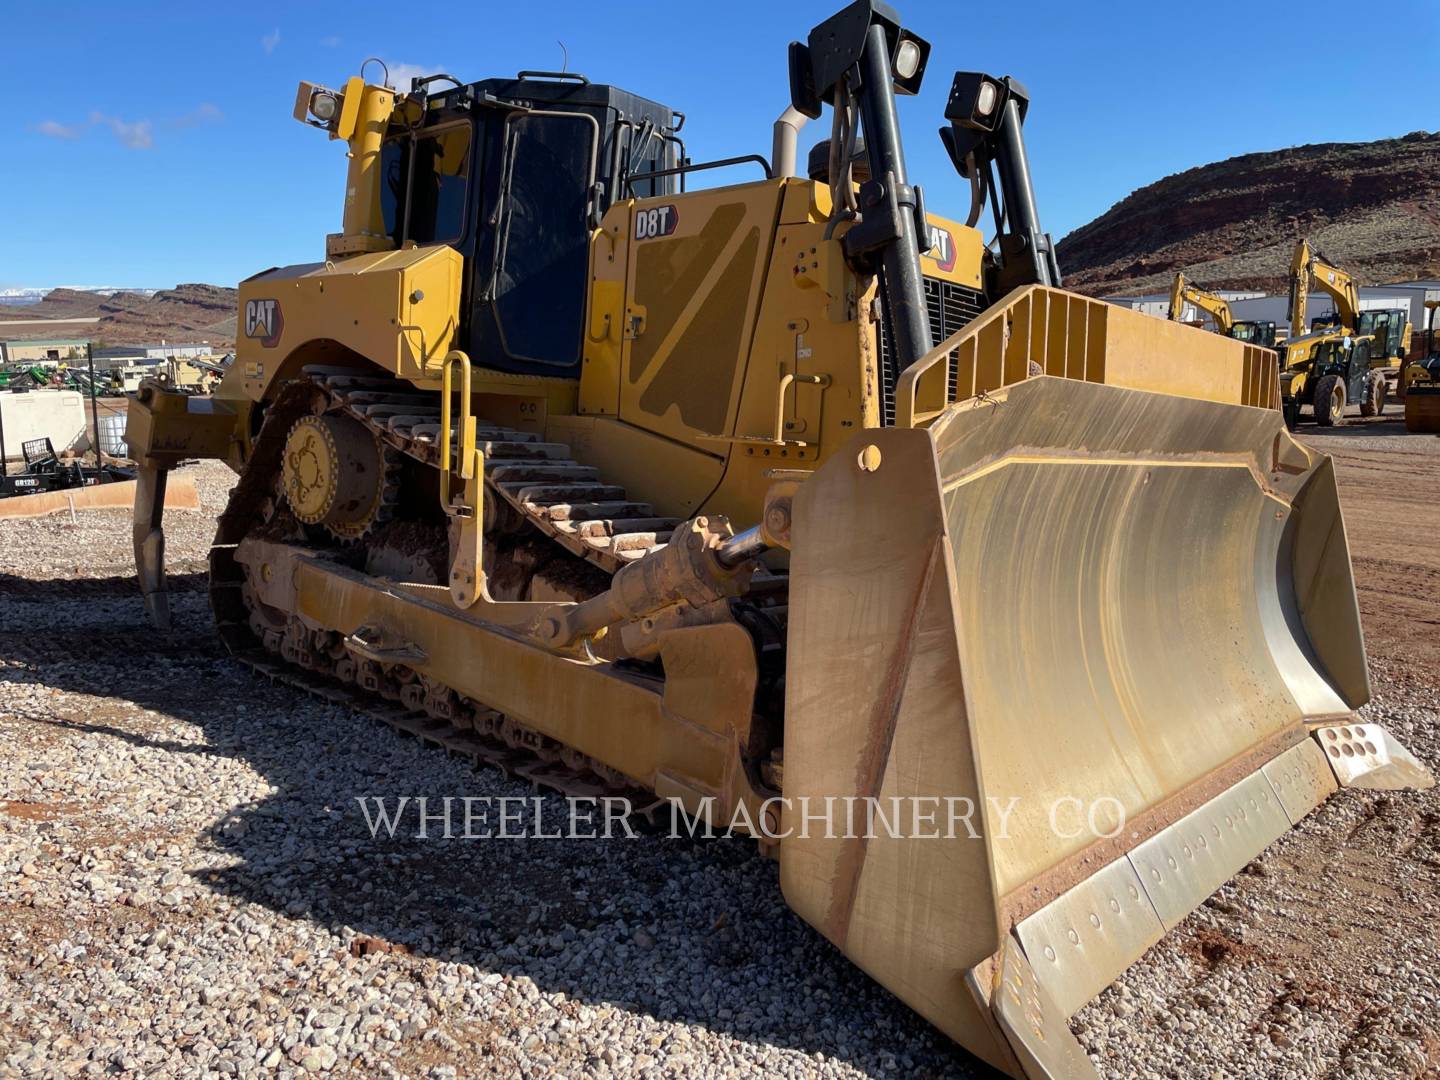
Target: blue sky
{"x":152,"y":144}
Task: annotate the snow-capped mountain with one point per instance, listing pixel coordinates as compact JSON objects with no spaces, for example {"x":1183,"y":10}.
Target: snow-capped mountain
{"x":23,"y":295}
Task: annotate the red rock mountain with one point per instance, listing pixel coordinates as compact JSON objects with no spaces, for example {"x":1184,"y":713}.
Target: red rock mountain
{"x":1373,"y":208}
{"x":186,"y":314}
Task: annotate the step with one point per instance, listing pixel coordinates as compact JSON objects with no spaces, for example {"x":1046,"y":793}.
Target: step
{"x":357,"y":382}
{"x":420,"y":428}
{"x":638,"y":553}
{"x":636,"y":540}
{"x":485,"y":429}
{"x":409,"y":408}
{"x":418,"y":398}
{"x":496,"y":450}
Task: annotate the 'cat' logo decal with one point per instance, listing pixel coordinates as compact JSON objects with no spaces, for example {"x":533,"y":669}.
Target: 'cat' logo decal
{"x":264,"y":321}
{"x":942,"y":248}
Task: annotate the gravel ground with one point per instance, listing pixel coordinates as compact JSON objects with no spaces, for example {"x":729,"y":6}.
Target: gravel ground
{"x":187,"y":887}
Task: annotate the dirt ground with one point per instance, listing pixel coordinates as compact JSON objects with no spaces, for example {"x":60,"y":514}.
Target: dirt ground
{"x":1320,"y":959}
{"x":1390,"y":494}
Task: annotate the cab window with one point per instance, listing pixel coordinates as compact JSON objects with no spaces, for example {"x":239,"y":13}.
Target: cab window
{"x":547,"y":236}
{"x":426,"y":204}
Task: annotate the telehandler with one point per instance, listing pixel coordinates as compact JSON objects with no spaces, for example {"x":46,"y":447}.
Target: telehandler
{"x":1183,"y":291}
{"x":994,"y":544}
{"x":1350,"y":356}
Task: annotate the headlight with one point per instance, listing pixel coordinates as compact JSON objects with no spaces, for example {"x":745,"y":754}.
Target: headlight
{"x":323,"y":106}
{"x":986,"y":98}
{"x":907,"y":59}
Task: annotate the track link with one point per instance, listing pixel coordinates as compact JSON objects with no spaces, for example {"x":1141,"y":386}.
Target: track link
{"x":565,"y":500}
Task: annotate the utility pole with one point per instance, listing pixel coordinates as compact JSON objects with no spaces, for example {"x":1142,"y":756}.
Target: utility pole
{"x":95,"y":413}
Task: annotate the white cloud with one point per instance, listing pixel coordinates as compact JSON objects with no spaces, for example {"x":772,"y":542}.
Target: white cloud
{"x":56,"y":130}
{"x":331,"y":42}
{"x":137,"y":135}
{"x":401,"y":74}
{"x":270,"y":40}
{"x":204,"y":113}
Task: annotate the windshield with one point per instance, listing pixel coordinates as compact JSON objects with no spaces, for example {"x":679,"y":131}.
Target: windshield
{"x":438,"y":186}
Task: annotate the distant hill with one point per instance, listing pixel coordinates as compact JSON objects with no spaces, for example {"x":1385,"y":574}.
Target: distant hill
{"x":1373,"y":208}
{"x":185,"y":314}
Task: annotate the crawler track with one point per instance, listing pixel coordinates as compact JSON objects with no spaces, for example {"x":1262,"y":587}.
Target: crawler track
{"x":562,"y":499}
{"x":566,"y":501}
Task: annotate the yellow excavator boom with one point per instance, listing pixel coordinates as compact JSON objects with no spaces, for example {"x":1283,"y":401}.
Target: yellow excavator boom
{"x":1184,"y":292}
{"x":1308,"y":268}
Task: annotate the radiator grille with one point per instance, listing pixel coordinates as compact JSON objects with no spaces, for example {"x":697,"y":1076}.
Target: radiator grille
{"x":949,"y":307}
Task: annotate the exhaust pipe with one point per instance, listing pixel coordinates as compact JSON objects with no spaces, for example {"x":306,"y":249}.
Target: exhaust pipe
{"x":784,"y":146}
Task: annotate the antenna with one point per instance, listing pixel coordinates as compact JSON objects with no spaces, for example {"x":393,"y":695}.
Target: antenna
{"x":564,"y":56}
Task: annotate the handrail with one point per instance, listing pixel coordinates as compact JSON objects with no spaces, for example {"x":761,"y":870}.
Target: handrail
{"x":631,"y":179}
{"x":786,"y":381}
{"x":466,"y":428}
{"x":572,"y":76}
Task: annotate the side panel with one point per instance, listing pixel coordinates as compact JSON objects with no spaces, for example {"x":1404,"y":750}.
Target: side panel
{"x":396,"y":308}
{"x":693,"y":295}
{"x":674,"y":478}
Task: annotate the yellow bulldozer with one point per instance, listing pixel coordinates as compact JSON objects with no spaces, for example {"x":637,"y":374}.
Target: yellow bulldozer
{"x":1010,"y":622}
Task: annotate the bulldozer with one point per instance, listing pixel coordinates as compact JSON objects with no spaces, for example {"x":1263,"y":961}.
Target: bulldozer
{"x":1348,"y":356}
{"x":1184,"y":292}
{"x":789,"y":499}
{"x":1420,"y":382}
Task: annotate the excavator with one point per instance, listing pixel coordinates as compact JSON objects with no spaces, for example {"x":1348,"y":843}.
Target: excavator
{"x":1349,"y":356}
{"x":1184,"y":292}
{"x":1420,"y":382}
{"x":795,"y":506}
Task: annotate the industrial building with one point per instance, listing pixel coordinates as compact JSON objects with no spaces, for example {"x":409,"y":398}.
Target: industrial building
{"x":1262,"y":307}
{"x":171,"y":352}
{"x":40,"y":351}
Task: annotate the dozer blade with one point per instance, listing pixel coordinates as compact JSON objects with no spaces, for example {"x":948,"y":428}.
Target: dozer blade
{"x":1119,"y":625}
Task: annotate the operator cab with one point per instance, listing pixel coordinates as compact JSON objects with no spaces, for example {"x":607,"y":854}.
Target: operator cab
{"x":1388,"y":329}
{"x":514,"y":174}
{"x":1255,"y":332}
